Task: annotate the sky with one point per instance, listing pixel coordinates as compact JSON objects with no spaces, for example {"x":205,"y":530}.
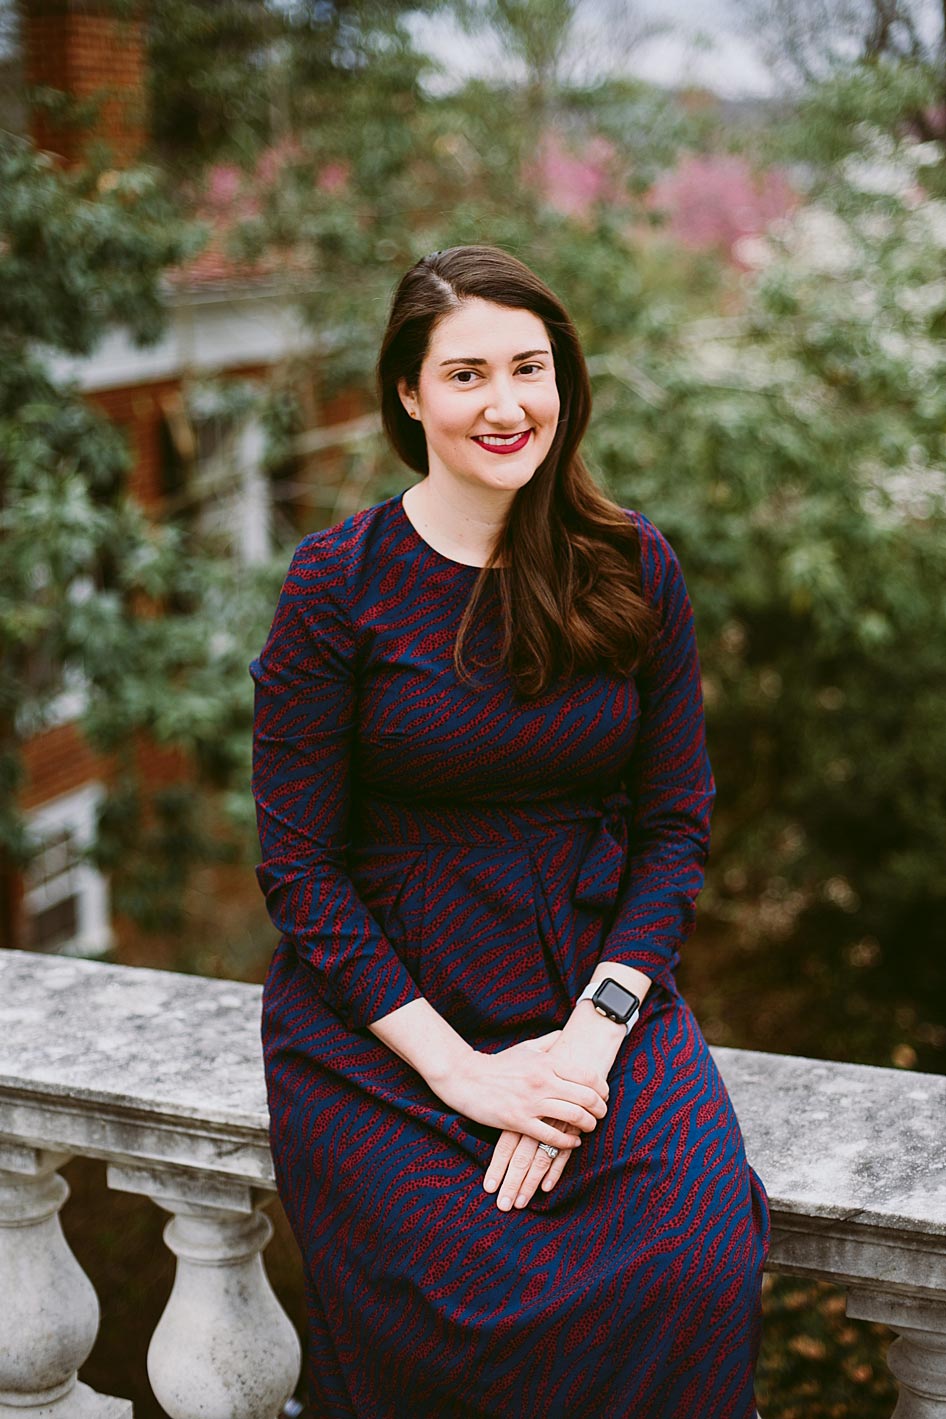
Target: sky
{"x":711,"y":45}
{"x":728,"y":62}
{"x":711,"y":53}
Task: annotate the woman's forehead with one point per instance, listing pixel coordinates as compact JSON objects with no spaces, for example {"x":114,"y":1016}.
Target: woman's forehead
{"x":484,"y":330}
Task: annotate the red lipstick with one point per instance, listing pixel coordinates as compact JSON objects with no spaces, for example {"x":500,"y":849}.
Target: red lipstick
{"x":507,"y":446}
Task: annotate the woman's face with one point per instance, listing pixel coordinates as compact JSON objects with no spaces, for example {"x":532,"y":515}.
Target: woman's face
{"x":486,"y":396}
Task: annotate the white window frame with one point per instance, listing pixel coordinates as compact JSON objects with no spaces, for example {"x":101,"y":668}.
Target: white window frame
{"x":238,"y":497}
{"x":74,"y":813}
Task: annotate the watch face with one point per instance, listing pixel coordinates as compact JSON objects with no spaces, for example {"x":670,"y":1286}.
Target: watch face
{"x":616,"y":1000}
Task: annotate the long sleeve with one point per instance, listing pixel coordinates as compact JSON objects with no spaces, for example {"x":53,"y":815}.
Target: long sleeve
{"x":302,"y":734}
{"x":669,"y":781}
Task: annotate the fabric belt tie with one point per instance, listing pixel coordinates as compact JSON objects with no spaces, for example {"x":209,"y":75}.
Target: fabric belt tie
{"x":599,"y":879}
{"x":399,"y":825}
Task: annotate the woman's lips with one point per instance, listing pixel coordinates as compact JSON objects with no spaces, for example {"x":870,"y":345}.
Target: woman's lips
{"x":510,"y":445}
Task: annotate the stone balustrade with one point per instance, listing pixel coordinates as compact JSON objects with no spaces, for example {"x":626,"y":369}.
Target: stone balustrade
{"x":160,"y":1075}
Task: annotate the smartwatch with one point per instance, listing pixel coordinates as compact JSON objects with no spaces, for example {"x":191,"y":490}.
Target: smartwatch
{"x":613,"y":1000}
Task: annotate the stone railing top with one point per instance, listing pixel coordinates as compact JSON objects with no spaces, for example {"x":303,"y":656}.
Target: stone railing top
{"x":845,"y":1141}
{"x":133,"y":1065}
{"x":133,"y":1062}
{"x":154,"y":1041}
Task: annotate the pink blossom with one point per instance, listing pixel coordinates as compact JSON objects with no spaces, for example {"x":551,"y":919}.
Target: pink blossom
{"x":223,"y":184}
{"x":333,"y":178}
{"x":272,"y":162}
{"x":572,"y":180}
{"x":713,"y":201}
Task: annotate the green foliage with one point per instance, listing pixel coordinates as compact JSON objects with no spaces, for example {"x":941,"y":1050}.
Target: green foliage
{"x":796,"y":456}
{"x":202,"y":110}
{"x":271,"y":62}
{"x":365,"y":196}
{"x":80,"y":250}
{"x":861,"y":110}
{"x":94,"y":595}
{"x":834,"y":115}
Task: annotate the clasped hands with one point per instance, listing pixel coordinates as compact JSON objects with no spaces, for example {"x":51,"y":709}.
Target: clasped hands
{"x":538,"y":1091}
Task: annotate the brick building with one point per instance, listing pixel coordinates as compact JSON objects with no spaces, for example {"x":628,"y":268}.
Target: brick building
{"x":224,"y":322}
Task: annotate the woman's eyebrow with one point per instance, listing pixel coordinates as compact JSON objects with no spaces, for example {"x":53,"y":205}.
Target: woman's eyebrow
{"x":475,"y":360}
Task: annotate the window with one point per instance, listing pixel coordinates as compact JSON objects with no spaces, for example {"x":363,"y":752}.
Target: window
{"x":213,"y":475}
{"x":65,"y":898}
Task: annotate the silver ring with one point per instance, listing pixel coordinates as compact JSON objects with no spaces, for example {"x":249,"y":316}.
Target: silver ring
{"x":547,"y":1148}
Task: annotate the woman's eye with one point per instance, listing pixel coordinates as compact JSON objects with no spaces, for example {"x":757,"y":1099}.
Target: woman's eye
{"x":468,"y":377}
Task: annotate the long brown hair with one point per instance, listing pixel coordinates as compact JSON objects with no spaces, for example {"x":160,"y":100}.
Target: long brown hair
{"x":570,"y":573}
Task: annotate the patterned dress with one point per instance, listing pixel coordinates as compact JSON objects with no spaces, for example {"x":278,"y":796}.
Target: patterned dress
{"x":421,"y":837}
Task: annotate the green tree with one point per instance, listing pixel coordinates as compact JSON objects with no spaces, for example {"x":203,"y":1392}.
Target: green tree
{"x":796,"y":454}
{"x":199,"y":109}
{"x":389,"y":167}
{"x":809,"y":41}
{"x":272,"y":64}
{"x":93,"y":595}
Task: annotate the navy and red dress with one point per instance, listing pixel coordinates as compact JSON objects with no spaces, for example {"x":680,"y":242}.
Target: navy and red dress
{"x":422,"y":837}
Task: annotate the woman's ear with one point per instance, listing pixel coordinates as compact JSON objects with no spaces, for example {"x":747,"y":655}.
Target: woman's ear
{"x":408,"y":397}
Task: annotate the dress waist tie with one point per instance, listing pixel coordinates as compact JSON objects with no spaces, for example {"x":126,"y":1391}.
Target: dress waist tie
{"x":599,"y":878}
{"x":389,"y":825}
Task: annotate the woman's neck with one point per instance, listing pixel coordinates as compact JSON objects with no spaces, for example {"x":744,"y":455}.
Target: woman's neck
{"x":456,"y":524}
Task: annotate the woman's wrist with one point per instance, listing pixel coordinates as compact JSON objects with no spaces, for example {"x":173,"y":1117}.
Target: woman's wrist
{"x":420,"y":1036}
{"x":591,"y":1037}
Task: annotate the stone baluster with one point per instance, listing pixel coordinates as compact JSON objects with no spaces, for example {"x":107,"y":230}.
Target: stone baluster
{"x":224,"y":1347}
{"x":50,"y":1309}
{"x":918,"y":1356}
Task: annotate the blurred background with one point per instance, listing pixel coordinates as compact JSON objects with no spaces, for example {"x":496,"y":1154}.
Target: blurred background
{"x":204,"y":208}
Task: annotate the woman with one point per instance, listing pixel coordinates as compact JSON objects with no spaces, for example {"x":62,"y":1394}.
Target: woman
{"x":483,"y":798}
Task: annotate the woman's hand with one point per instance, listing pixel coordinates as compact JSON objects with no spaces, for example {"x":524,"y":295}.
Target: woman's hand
{"x":526,"y":1090}
{"x":519,"y":1165}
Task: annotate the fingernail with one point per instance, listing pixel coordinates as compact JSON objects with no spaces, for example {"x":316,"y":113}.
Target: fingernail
{"x":505,"y":1203}
{"x":521,"y":1200}
{"x":490,"y":1184}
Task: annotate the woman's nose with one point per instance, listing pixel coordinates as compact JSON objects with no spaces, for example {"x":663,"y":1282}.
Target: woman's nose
{"x":503,"y":406}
